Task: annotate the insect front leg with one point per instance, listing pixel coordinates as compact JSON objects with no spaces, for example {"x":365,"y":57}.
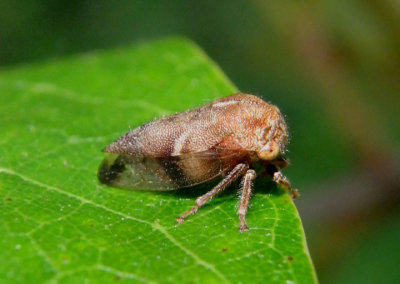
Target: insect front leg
{"x":244,"y":198}
{"x":237,"y":171}
{"x":280,"y":179}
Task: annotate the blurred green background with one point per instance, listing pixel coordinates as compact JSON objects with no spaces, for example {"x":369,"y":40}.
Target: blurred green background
{"x":333,"y":67}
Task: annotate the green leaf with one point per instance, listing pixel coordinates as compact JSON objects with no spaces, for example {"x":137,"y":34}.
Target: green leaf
{"x":58,"y":224}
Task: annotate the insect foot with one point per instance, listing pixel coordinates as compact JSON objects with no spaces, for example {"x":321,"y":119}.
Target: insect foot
{"x":180,"y":220}
{"x":243,"y":228}
{"x":281,"y":180}
{"x":191,"y":211}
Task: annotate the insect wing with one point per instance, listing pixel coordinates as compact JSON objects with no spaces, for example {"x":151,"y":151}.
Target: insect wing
{"x":134,"y":172}
{"x":166,"y":173}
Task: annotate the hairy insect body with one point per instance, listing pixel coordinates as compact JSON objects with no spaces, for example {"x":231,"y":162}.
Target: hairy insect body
{"x":192,"y":147}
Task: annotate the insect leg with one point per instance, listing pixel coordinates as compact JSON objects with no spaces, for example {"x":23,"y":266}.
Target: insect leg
{"x":244,"y":199}
{"x":280,"y":179}
{"x":200,"y":201}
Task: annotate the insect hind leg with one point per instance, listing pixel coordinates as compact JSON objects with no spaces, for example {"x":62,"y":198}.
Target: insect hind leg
{"x":200,"y":201}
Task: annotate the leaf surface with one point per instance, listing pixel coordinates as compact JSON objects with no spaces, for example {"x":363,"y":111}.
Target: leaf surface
{"x":58,"y":224}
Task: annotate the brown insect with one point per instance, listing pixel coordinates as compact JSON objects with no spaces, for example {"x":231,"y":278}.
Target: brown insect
{"x":226,"y":137}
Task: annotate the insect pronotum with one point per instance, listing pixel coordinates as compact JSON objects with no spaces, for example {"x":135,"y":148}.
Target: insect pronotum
{"x":224,"y":138}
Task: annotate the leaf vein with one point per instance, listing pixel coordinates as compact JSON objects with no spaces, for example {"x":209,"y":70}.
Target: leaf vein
{"x":122,"y":274}
{"x":154,"y":225}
